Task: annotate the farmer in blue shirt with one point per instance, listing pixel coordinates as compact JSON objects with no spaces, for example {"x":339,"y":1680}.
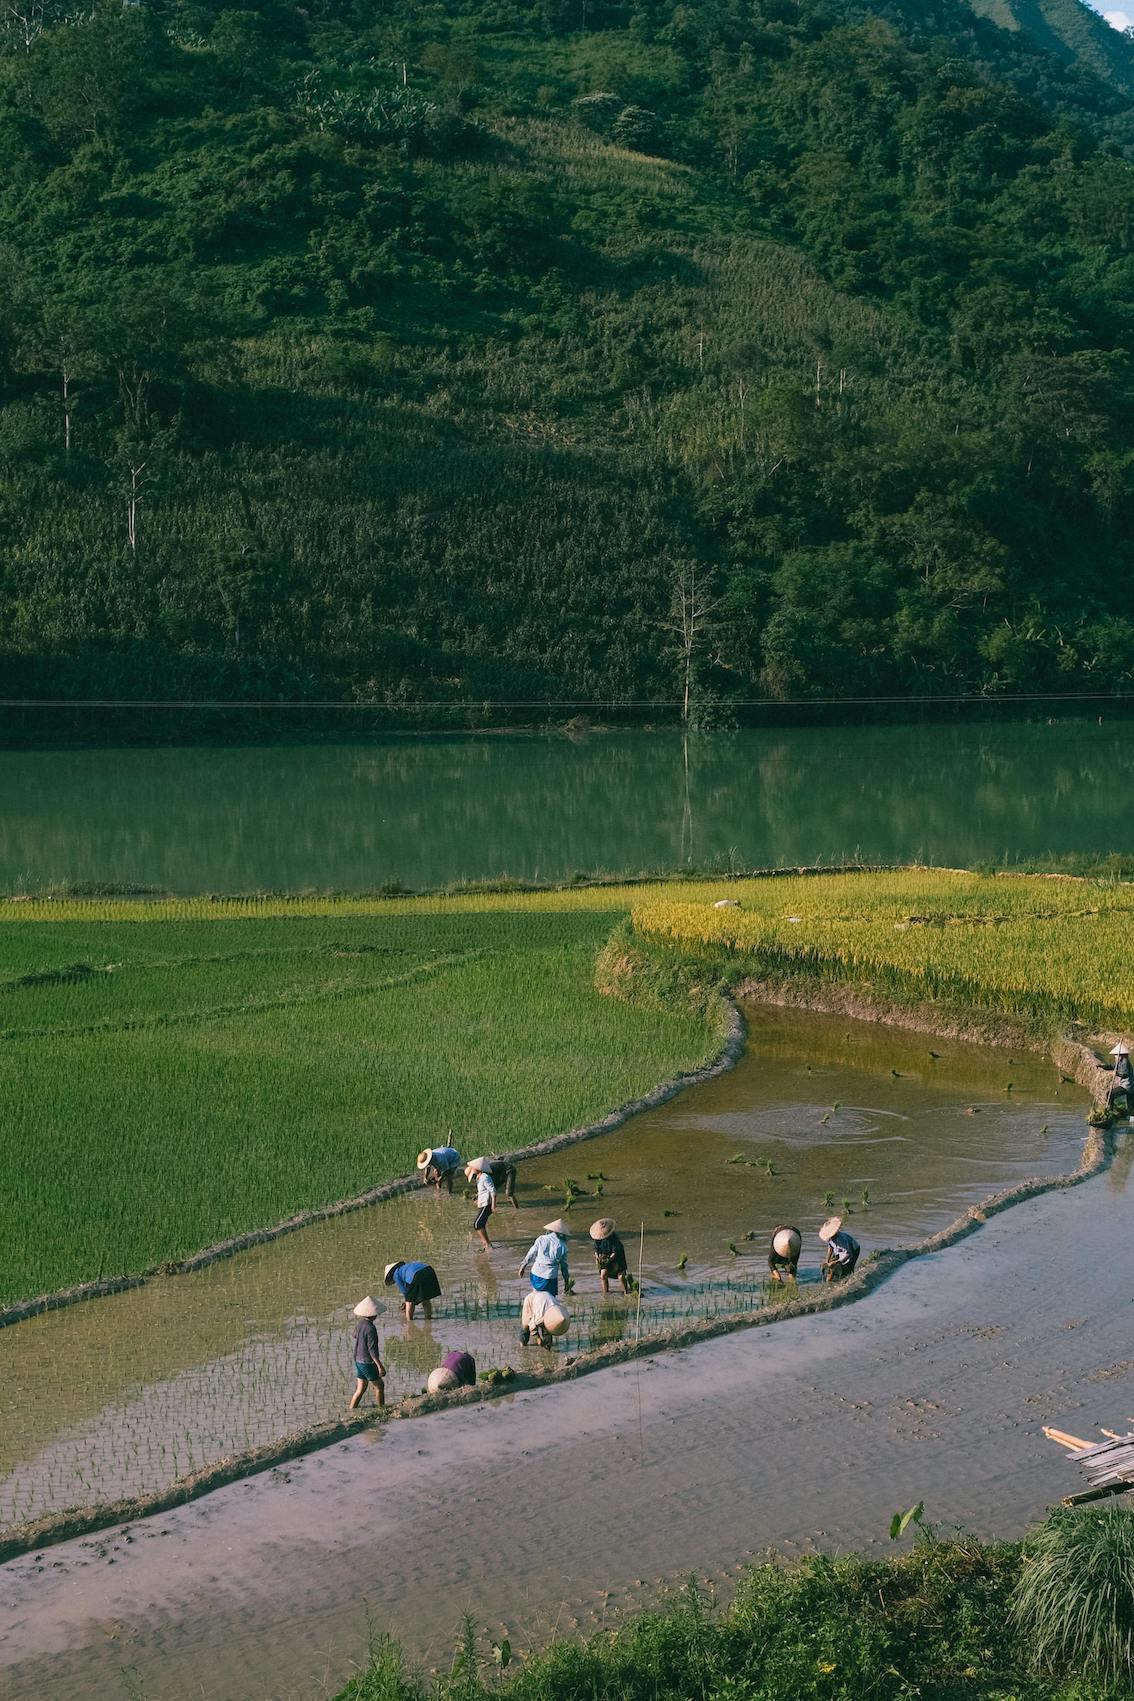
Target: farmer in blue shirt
{"x":547,"y":1256}
{"x":417,"y":1283}
{"x":438,"y":1166}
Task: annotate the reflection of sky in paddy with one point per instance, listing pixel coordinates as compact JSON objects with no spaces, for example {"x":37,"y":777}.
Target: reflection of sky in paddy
{"x":171,"y":1377}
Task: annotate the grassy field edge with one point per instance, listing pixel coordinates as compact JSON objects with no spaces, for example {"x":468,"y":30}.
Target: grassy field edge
{"x":951,"y":1619}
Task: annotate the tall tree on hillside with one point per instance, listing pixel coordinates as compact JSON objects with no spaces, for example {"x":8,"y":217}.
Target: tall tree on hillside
{"x":691,"y":608}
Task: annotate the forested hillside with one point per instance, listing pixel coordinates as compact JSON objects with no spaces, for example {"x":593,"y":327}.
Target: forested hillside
{"x":535,"y":349}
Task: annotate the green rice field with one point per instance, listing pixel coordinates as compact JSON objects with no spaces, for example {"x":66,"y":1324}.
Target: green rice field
{"x":167,"y":1085}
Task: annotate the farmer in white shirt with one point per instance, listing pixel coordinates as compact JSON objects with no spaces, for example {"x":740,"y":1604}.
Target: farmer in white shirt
{"x":478,"y":1171}
{"x":842,"y":1250}
{"x":548,"y":1258}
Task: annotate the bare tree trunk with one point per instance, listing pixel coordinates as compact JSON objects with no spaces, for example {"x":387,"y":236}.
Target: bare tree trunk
{"x":690,"y":611}
{"x":133,"y":503}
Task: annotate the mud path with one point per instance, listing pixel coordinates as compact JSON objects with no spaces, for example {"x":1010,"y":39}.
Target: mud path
{"x":561,"y":1509}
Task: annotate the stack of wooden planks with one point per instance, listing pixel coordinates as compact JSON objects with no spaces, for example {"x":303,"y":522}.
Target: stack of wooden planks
{"x":1109,"y":1464}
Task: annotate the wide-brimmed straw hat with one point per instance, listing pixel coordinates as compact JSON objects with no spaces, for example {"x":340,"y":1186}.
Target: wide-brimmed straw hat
{"x":830,"y":1227}
{"x":367,"y":1307}
{"x":602,"y":1229}
{"x":425,"y":1158}
{"x":556,"y":1320}
{"x":440,"y":1379}
{"x":388,"y":1273}
{"x":556,"y":1227}
{"x":785,"y":1241}
{"x":476,"y":1166}
{"x":1120,"y":1050}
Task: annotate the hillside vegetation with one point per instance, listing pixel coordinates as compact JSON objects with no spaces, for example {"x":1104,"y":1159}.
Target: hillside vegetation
{"x":562,"y":350}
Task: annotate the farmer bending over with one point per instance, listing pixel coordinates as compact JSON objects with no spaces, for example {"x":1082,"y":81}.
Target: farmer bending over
{"x":842,"y":1250}
{"x":417,"y":1283}
{"x":783,"y":1254}
{"x":438,"y":1166}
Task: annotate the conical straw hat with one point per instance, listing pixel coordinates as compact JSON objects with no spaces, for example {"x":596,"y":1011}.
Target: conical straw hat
{"x":556,"y":1320}
{"x":475,"y":1166}
{"x":786,"y":1242}
{"x":368,"y":1308}
{"x":425,"y":1158}
{"x":602,"y":1229}
{"x":390,"y":1268}
{"x":1120,"y":1050}
{"x":830,"y":1227}
{"x":557,"y":1227}
{"x":440,"y":1379}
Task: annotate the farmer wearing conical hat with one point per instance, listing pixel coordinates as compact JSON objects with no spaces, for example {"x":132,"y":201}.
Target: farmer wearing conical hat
{"x":503,"y":1173}
{"x":783,"y":1253}
{"x":480,"y":1172}
{"x":610,"y":1254}
{"x":842,"y":1250}
{"x":1123,"y":1079}
{"x":547,"y":1256}
{"x":368,"y":1366}
{"x":438,"y":1166}
{"x":456,"y":1370}
{"x":542,"y":1316}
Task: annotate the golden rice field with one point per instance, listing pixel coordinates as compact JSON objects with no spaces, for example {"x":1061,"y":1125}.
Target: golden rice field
{"x":1056,"y":950}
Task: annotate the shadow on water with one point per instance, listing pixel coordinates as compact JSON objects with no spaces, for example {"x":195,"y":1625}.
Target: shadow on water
{"x":821,"y":1114}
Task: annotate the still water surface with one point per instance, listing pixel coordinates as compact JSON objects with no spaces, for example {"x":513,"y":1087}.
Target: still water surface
{"x":430,"y":811}
{"x":121,"y":1396}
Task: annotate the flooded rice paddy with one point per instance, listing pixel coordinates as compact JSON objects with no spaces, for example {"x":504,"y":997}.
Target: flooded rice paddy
{"x":120,"y":1397}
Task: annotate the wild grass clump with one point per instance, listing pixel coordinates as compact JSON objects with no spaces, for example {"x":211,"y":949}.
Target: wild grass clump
{"x":1074,"y":1602}
{"x":932,"y":1624}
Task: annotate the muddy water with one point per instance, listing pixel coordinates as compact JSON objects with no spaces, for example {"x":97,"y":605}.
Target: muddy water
{"x":123,"y":1395}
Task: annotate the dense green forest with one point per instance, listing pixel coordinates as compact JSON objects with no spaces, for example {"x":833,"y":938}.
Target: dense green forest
{"x":565,"y":350}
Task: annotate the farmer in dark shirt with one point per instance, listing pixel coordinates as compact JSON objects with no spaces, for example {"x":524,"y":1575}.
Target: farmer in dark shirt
{"x":416,"y":1282}
{"x":610,"y":1254}
{"x":783,"y":1253}
{"x":368,"y":1366}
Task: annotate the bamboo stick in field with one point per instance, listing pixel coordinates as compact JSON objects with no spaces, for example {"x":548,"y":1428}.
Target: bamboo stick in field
{"x":1075,"y":1443}
{"x":641,"y":1256}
